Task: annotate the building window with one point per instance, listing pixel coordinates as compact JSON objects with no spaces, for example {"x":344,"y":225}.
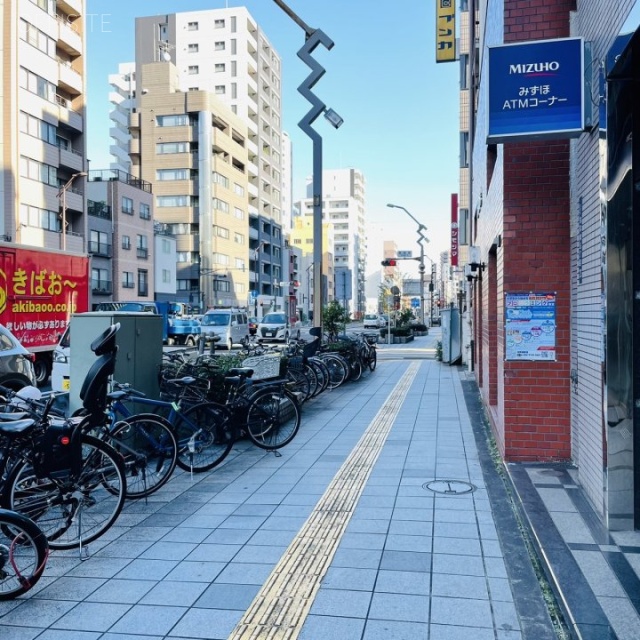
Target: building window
{"x":172,"y":201}
{"x":218,"y":24}
{"x":219,"y":67}
{"x":193,"y":70}
{"x":218,"y":178}
{"x":145,"y":211}
{"x":193,"y":47}
{"x":126,"y":242}
{"x":178,"y":120}
{"x":127,"y":205}
{"x":172,"y":147}
{"x":238,"y":238}
{"x":172,"y":174}
{"x":219,"y":46}
{"x":238,"y":189}
{"x":220,"y":258}
{"x":221,"y":285}
{"x":221,"y":232}
{"x":192,"y":26}
{"x":38,"y":85}
{"x":39,"y":171}
{"x":166,"y":246}
{"x":40,"y":129}
{"x":100,"y":280}
{"x":127,"y":280}
{"x":464,"y":149}
{"x":166,"y":276}
{"x":143,"y":282}
{"x":31,"y":216}
{"x":219,"y":89}
{"x":238,"y":213}
{"x":234,"y":47}
{"x":142,"y":250}
{"x":221,"y":205}
{"x":99,"y":243}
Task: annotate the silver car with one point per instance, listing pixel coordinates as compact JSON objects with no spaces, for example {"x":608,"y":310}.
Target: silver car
{"x":16,"y":363}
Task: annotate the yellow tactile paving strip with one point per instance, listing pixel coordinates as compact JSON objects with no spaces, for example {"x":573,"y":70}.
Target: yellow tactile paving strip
{"x":281,"y":607}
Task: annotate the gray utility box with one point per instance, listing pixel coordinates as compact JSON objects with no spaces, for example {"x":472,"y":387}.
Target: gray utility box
{"x":139,"y":356}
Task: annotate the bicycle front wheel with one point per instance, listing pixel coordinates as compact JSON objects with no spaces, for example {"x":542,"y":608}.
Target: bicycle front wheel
{"x":273,"y":418}
{"x":204,"y":437}
{"x":23,"y":554}
{"x":149,"y":451}
{"x":72,"y":509}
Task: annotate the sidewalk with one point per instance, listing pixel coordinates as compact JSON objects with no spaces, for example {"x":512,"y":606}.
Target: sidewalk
{"x":384,"y":519}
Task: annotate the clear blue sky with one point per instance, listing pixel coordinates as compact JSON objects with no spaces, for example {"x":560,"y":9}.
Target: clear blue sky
{"x":400,"y":108}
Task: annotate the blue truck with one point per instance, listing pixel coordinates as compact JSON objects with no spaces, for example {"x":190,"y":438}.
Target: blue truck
{"x":179,"y":326}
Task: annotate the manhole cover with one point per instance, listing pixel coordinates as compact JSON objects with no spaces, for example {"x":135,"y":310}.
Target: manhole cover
{"x":449,"y":487}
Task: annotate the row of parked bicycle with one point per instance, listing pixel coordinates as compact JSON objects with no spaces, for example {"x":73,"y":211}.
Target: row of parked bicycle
{"x":64,"y":479}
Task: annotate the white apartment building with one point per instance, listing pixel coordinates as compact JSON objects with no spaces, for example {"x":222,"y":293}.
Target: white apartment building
{"x":225,"y":53}
{"x":343,"y":208}
{"x":42,"y":122}
{"x":123,"y":98}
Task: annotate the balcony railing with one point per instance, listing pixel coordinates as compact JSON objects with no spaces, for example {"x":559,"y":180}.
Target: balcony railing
{"x":100,"y":248}
{"x":142,"y":252}
{"x":101,"y":287}
{"x":99,"y":209}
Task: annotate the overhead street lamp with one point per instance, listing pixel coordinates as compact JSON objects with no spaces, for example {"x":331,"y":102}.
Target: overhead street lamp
{"x":62,"y":194}
{"x":314,"y":37}
{"x":421,"y":239}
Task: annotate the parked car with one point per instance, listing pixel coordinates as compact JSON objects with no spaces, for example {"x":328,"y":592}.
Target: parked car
{"x":61,"y":370}
{"x":231,"y":325}
{"x":373,"y":321}
{"x":16,"y":363}
{"x":253,"y":325}
{"x":277,"y":326}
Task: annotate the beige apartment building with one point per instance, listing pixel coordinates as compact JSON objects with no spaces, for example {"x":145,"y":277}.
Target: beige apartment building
{"x":42,"y":121}
{"x":193,"y":150}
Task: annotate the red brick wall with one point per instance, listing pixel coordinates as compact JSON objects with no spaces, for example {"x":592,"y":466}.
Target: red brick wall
{"x":537,"y":257}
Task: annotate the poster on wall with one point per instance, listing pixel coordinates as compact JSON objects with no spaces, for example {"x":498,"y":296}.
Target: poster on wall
{"x":530,"y":326}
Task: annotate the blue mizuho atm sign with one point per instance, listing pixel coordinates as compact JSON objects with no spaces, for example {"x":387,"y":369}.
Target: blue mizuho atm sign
{"x":536,"y":90}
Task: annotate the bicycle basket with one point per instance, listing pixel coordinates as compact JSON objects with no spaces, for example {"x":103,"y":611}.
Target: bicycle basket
{"x":296,"y":363}
{"x":311,"y":348}
{"x":57,"y":451}
{"x":263,"y":366}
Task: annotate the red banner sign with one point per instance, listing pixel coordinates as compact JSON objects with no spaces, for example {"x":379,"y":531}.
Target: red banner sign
{"x":454,"y":230}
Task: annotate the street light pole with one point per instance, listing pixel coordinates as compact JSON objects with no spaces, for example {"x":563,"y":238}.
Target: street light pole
{"x":421,"y":239}
{"x":62,"y":194}
{"x":314,"y":37}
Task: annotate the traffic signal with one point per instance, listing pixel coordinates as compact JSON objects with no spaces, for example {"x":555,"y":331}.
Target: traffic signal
{"x":389,"y":262}
{"x":295,"y":283}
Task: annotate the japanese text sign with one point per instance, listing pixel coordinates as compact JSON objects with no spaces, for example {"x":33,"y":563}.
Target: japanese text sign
{"x":446,"y":26}
{"x":530,"y":326}
{"x":536,"y":90}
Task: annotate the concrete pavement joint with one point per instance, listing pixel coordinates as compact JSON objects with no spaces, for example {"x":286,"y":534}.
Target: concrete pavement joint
{"x":281,"y":607}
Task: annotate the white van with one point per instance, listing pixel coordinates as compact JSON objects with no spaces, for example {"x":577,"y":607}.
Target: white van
{"x":230,"y":324}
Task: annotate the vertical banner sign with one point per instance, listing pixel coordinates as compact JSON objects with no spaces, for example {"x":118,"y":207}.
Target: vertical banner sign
{"x":446,"y":26}
{"x":454,"y":229}
{"x":530,"y":326}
